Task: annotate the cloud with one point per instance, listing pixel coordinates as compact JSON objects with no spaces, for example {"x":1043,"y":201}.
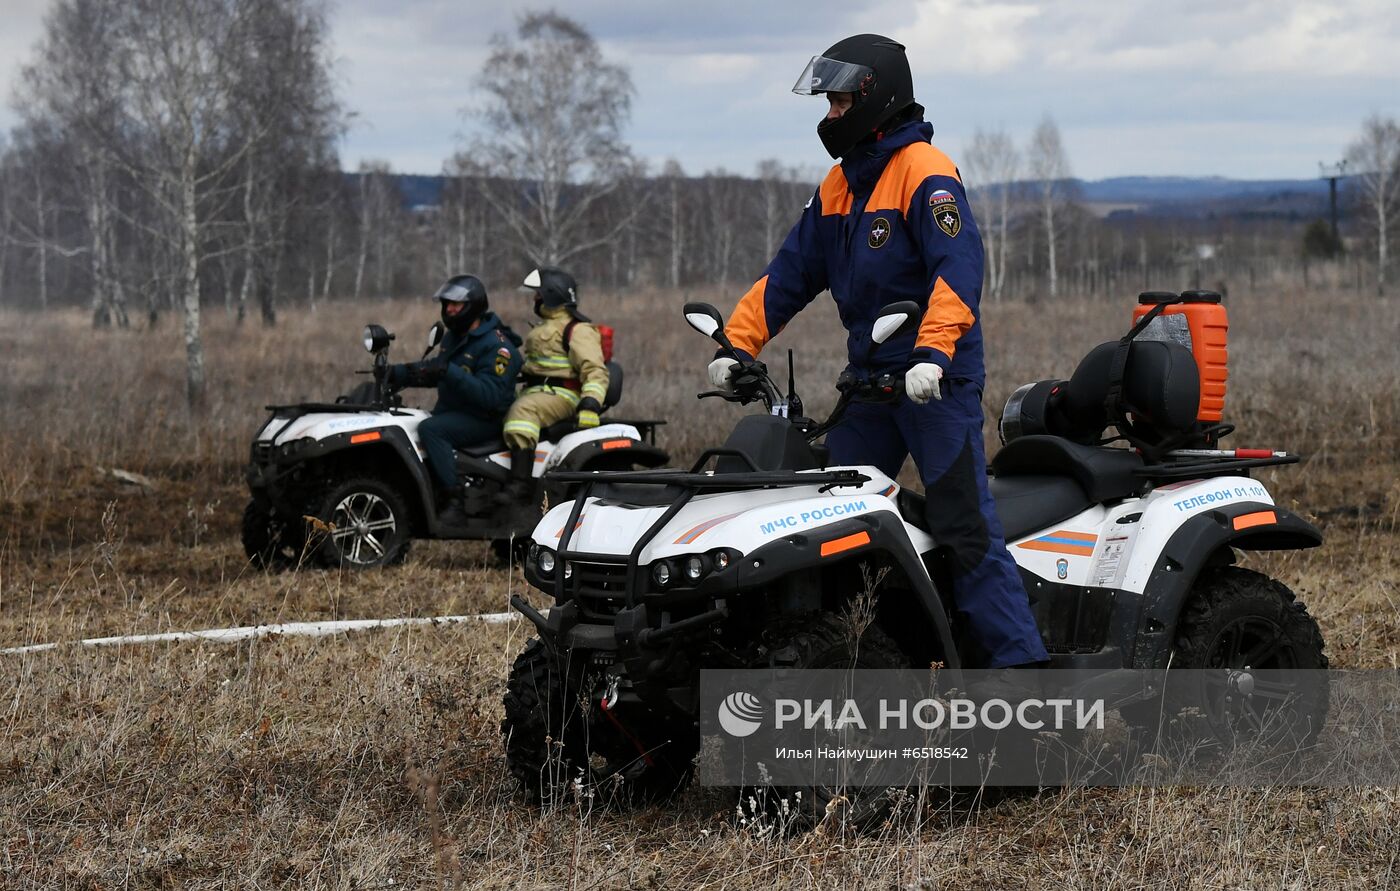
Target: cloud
{"x":1251,"y":87}
{"x":968,"y":35}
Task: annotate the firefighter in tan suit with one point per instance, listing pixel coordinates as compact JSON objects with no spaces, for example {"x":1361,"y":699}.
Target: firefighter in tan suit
{"x":564,"y":374}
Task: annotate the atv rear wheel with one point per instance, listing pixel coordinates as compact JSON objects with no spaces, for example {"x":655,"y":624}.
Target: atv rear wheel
{"x":270,"y":542}
{"x":368,"y":525}
{"x":1239,"y":622}
{"x":558,"y":743}
{"x":826,"y":641}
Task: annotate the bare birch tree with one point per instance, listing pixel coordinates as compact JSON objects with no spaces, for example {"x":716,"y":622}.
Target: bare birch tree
{"x":378,"y":206}
{"x":1049,"y":169}
{"x":73,"y":86}
{"x":991,"y":167}
{"x":281,"y":90}
{"x":8,"y":177}
{"x":1375,"y":156}
{"x":551,"y":136}
{"x":673,"y":176}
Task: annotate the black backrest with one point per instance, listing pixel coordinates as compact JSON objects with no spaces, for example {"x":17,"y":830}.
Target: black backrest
{"x":614,"y":394}
{"x":1161,"y":385}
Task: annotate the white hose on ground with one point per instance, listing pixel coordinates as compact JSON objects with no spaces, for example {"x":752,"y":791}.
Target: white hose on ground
{"x":289,"y":629}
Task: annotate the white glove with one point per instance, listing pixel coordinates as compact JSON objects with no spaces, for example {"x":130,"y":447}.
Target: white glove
{"x":921,"y":382}
{"x":721,"y":372}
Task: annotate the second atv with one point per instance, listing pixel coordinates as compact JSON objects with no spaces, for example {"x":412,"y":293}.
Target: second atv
{"x":344,"y":482}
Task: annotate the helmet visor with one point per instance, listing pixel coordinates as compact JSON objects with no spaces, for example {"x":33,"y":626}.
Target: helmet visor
{"x":823,"y":75}
{"x":453,"y":291}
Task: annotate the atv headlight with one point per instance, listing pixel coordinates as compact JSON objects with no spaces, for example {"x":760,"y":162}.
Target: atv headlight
{"x":661,"y":573}
{"x":376,"y":338}
{"x":296,"y":445}
{"x":544,"y":561}
{"x":694,"y":568}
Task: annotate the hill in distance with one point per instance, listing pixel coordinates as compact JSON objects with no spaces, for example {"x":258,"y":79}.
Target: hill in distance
{"x":1120,"y":196}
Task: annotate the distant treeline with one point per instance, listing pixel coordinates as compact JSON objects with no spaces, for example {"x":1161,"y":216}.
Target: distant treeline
{"x":177,"y":156}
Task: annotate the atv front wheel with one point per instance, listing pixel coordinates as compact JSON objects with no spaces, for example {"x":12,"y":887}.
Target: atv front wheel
{"x":559,"y":742}
{"x":367,"y":525}
{"x":270,"y":542}
{"x":826,"y":641}
{"x":1237,"y":623}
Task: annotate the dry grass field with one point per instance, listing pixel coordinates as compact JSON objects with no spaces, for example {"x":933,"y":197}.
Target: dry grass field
{"x":373,"y":760}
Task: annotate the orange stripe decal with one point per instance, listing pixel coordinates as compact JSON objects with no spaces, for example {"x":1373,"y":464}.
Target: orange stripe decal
{"x":1258,"y":518}
{"x":364,"y":437}
{"x":748,"y":324}
{"x":1053,"y":548}
{"x":946,"y":319}
{"x":845,"y":543}
{"x":695,"y":532}
{"x":1064,"y":541}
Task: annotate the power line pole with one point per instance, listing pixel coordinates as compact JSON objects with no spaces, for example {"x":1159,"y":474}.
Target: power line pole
{"x":1332,"y":173}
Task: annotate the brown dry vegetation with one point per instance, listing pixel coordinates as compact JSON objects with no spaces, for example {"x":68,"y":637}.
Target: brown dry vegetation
{"x":373,"y":759}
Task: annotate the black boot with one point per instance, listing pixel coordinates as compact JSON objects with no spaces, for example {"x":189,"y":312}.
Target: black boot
{"x":517,"y":500}
{"x":454,"y":511}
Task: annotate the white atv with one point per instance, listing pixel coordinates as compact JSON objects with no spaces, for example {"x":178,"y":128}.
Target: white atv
{"x":345,"y":482}
{"x":1126,"y":554}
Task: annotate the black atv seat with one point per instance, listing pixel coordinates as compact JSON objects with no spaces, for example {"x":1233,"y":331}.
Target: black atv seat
{"x":1104,"y":474}
{"x":1025,"y":504}
{"x":484,"y":449}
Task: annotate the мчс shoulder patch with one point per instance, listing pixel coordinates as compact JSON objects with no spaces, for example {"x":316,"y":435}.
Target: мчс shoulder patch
{"x":944,"y":208}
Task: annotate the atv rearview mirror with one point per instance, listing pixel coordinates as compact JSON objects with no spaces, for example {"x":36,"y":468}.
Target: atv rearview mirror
{"x":376,"y":338}
{"x":704,"y":318}
{"x":435,"y":334}
{"x":893,"y":319}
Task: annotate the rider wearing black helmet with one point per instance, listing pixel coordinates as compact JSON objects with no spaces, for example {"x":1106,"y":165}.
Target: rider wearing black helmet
{"x":891,"y":222}
{"x":474,"y":372}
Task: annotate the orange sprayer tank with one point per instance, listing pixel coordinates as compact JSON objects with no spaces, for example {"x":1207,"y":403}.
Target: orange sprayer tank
{"x":1198,"y":323}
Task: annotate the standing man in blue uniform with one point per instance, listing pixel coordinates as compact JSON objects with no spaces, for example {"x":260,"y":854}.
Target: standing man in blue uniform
{"x":891,"y":222}
{"x":474,"y":372}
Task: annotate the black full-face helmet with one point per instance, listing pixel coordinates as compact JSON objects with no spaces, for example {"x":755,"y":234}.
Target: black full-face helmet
{"x":466,"y":289}
{"x":554,"y":287}
{"x":875,"y":71}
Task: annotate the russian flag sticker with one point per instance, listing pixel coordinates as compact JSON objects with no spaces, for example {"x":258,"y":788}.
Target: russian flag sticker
{"x":940,"y":196}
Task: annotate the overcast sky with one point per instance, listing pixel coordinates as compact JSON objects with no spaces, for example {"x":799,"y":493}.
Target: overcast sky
{"x":1242,"y":88}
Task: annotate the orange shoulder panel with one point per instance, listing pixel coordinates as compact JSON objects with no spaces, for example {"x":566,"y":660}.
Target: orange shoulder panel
{"x":748,"y":324}
{"x":836,"y":195}
{"x":905,"y":172}
{"x":946,"y":319}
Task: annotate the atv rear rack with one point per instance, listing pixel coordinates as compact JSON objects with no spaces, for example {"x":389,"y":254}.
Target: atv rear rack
{"x":1209,"y":468}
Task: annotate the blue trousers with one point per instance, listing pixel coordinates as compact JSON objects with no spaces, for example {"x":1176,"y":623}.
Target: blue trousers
{"x":442,"y":433}
{"x":945,"y":438}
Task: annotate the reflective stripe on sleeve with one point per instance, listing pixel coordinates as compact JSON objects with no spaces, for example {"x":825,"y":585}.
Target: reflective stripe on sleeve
{"x":596,"y":390}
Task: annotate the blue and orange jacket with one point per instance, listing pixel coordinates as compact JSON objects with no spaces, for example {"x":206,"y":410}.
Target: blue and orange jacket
{"x":889,"y":223}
